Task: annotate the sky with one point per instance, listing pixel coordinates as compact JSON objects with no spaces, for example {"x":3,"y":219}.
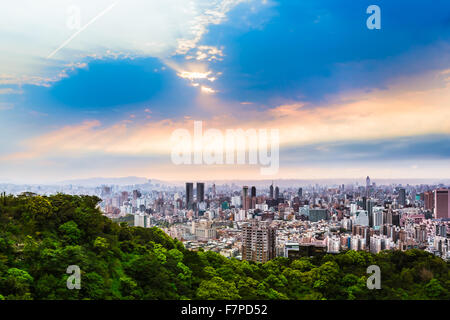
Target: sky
{"x":98,"y":88}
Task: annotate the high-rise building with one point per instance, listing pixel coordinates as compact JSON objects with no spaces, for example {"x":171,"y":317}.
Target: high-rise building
{"x":200,"y":192}
{"x":271,"y":191}
{"x":141,"y":220}
{"x":106,"y":191}
{"x":442,"y":204}
{"x":123,"y":197}
{"x":441,"y":230}
{"x":244,"y":198}
{"x":252,"y":199}
{"x":300,"y":192}
{"x":362,"y":218}
{"x":420,"y":233}
{"x":236,"y":201}
{"x":316,"y":215}
{"x":258,"y":242}
{"x":277,"y":192}
{"x":429,"y":200}
{"x":367,"y":186}
{"x":189,"y":195}
{"x":396,"y":219}
{"x":402,"y":196}
{"x":136,"y":194}
{"x":388,"y":217}
{"x":204,"y":230}
{"x":377,"y":218}
{"x":369,"y":208}
{"x":364,"y":203}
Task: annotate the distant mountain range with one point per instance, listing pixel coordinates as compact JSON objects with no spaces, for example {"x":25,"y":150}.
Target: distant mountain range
{"x":92,"y":182}
{"x":284,"y":183}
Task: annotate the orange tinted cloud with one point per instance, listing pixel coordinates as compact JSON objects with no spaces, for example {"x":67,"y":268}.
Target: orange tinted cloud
{"x":390,"y":113}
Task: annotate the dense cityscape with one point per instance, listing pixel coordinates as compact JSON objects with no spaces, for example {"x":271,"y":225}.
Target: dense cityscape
{"x":259,"y":224}
{"x":262,"y":224}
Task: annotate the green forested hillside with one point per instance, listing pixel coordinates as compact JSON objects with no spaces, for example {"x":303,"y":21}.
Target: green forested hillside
{"x":41,"y":236}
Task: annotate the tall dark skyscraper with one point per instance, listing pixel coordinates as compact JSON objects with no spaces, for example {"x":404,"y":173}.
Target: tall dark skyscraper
{"x":200,"y":192}
{"x":106,"y":191}
{"x":253,"y":192}
{"x":364,"y":203}
{"x":136,"y":194}
{"x":369,"y":208}
{"x":277,"y":192}
{"x":189,"y":195}
{"x":300,"y":192}
{"x":271,"y":191}
{"x":367,"y":186}
{"x":245,"y":205}
{"x":402,"y":197}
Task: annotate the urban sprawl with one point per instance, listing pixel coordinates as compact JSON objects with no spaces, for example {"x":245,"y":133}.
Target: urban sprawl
{"x":262,"y":223}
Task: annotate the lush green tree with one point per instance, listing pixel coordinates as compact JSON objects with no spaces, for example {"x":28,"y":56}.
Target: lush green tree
{"x":70,"y":231}
{"x":216,"y":289}
{"x":16,"y":284}
{"x":434,"y":289}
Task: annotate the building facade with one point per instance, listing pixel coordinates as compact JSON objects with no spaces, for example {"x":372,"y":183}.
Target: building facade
{"x":258,"y":242}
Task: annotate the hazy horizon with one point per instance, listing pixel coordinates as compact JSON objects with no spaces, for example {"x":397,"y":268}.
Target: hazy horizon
{"x":134,"y":180}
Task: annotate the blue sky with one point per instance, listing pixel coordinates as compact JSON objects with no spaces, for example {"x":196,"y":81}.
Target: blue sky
{"x":310,"y":68}
{"x":310,"y":50}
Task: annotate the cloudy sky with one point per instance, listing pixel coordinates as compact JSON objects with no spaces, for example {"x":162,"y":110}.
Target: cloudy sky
{"x":96,"y":88}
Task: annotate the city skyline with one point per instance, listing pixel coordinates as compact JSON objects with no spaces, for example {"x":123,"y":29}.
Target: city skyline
{"x":259,"y":224}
